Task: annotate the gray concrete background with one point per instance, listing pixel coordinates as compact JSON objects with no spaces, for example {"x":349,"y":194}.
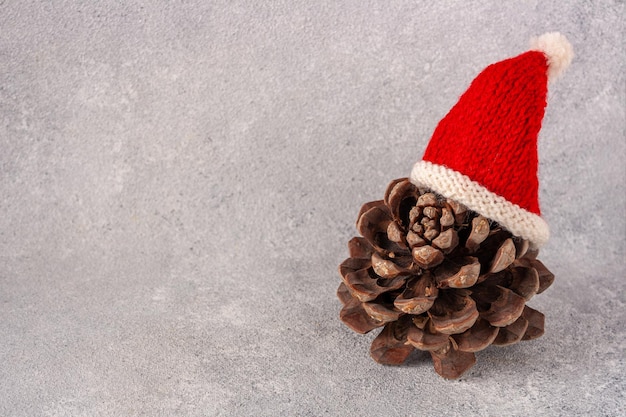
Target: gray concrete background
{"x":179,"y":181}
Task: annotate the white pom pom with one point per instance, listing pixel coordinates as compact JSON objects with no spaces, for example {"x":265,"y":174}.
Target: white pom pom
{"x":557,"y":50}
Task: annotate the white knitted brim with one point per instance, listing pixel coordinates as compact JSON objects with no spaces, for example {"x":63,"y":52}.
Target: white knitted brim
{"x":461,"y":188}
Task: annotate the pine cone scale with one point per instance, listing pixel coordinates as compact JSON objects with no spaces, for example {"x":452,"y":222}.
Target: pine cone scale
{"x":452,"y":363}
{"x":390,"y":347}
{"x":512,"y":333}
{"x":418,"y":296}
{"x":505,"y":309}
{"x":425,"y":340}
{"x":535,"y":323}
{"x":525,"y":282}
{"x":476,"y":338}
{"x":359,"y":248}
{"x":457,"y":317}
{"x":462,"y":273}
{"x":354,"y":316}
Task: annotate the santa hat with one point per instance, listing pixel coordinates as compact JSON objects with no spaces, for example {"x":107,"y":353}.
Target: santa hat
{"x":483,"y":153}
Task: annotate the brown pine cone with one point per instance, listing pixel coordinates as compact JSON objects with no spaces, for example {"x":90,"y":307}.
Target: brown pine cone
{"x":439,"y":278}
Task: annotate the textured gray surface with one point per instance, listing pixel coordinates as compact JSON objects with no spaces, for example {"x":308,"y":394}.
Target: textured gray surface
{"x":179,"y":181}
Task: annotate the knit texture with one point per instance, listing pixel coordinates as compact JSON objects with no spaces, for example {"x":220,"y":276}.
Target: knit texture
{"x":490,"y":135}
{"x":461,"y":188}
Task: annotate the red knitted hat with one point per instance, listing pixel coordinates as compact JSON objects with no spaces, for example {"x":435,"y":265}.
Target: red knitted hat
{"x":483,"y":153}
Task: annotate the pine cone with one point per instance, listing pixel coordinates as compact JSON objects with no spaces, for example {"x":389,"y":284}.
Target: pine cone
{"x":439,"y":278}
